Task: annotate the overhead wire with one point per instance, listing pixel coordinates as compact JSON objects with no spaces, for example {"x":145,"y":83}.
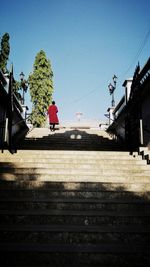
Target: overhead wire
{"x":82,"y":97}
{"x":138,"y":52}
{"x":133,"y":61}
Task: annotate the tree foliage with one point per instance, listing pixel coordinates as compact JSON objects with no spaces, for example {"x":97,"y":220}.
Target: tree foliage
{"x":4,"y":52}
{"x":41,"y":88}
{"x":4,"y":56}
{"x":16,"y":88}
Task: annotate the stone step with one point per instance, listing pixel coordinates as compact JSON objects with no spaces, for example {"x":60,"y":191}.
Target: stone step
{"x":77,"y":177}
{"x":69,"y":157}
{"x":68,"y":153}
{"x":71,"y":137}
{"x":46,"y":259}
{"x":134,"y":228}
{"x":61,"y":170}
{"x":38,"y":186}
{"x":67,"y":140}
{"x":29,"y":157}
{"x":74,"y":218}
{"x":85,"y":248}
{"x":40,"y":132}
{"x":69,"y":145}
{"x":76,"y":213}
{"x":78,"y":138}
{"x":103,"y":205}
{"x":77,"y":217}
{"x":73,"y":234}
{"x":84,"y":142}
{"x":78,"y":197}
{"x":74,"y":196}
{"x":73,"y":160}
{"x":111,"y":168}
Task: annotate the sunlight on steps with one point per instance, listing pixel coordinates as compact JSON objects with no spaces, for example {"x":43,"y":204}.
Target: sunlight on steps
{"x":40,"y":132}
{"x":74,"y":198}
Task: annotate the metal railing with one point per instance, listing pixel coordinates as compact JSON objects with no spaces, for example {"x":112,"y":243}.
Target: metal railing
{"x":12,"y":123}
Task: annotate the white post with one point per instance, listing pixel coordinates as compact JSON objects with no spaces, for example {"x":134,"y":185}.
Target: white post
{"x":141,"y":131}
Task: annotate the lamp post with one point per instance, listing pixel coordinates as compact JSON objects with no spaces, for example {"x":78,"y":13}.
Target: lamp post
{"x":23,"y":86}
{"x":112,"y":89}
{"x":78,"y":115}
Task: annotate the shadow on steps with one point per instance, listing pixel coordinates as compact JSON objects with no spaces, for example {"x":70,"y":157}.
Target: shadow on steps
{"x":88,"y":224}
{"x":72,"y":140}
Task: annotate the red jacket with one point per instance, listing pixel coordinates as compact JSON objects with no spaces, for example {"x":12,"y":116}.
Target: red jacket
{"x":52,"y":112}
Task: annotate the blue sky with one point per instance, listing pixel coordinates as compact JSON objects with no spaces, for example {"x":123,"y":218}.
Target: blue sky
{"x":87,"y":42}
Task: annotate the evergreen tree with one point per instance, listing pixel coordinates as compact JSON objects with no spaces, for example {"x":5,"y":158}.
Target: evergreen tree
{"x":4,"y":52}
{"x":16,"y":89}
{"x":41,"y":88}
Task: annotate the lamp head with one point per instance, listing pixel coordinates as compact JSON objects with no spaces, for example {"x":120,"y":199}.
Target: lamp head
{"x":115,"y":78}
{"x":111,"y":88}
{"x":22,"y":76}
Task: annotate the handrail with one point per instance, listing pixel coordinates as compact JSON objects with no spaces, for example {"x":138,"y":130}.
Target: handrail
{"x":2,"y":78}
{"x":17,"y":103}
{"x":13,"y":126}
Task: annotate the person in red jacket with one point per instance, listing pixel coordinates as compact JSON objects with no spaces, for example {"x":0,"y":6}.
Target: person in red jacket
{"x":53,"y":118}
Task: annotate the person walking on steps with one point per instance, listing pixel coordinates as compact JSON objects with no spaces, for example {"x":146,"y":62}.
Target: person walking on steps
{"x":53,"y":118}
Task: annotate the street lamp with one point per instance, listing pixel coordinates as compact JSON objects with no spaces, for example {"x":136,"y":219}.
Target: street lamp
{"x":22,"y":76}
{"x":24,"y":86}
{"x":78,"y":115}
{"x":112,"y":89}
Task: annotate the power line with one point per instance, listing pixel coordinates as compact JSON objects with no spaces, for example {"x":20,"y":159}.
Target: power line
{"x":84,"y":96}
{"x":134,"y":60}
{"x":138,"y":52}
{"x":80,"y":98}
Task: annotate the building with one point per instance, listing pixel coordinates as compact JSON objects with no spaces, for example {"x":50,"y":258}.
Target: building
{"x":131,"y":116}
{"x":13,"y":127}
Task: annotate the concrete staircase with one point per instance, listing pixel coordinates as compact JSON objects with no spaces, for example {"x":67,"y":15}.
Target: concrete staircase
{"x":70,"y":139}
{"x":74,"y":198}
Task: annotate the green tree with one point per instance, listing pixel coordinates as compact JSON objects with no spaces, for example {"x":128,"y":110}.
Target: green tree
{"x":4,"y":52}
{"x":16,"y":89}
{"x":41,"y":88}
